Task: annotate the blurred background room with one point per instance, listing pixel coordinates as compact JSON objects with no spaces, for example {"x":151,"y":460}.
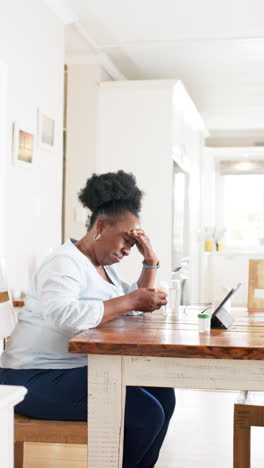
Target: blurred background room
{"x":172,"y":91}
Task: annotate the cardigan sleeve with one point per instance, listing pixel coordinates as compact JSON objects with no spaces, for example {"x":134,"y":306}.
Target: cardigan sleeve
{"x":59,"y":283}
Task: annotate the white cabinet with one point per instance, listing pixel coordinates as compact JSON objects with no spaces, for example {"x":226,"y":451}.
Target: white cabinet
{"x":9,"y":397}
{"x":141,"y":127}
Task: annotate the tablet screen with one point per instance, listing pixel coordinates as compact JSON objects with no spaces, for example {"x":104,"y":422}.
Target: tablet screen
{"x":229,"y":294}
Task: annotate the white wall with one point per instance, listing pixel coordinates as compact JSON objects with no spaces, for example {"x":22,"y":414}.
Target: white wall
{"x":135,"y":134}
{"x":3,"y":110}
{"x":32,"y":46}
{"x":83,"y":81}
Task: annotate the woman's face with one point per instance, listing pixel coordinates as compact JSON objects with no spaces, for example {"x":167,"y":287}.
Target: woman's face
{"x":115,"y":242}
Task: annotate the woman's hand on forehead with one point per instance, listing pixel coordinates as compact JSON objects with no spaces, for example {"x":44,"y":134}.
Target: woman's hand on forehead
{"x":135,"y":231}
{"x":138,"y":235}
{"x":144,"y":245}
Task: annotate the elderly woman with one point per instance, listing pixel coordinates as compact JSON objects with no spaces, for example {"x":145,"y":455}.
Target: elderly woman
{"x":77,"y":287}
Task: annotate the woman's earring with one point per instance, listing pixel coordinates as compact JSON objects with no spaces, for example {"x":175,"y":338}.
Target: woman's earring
{"x":97,"y":236}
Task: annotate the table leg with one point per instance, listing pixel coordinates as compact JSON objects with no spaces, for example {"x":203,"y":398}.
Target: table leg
{"x":241,"y":443}
{"x":106,"y":402}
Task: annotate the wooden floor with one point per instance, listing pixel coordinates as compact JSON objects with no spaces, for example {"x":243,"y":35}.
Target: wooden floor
{"x":200,"y":436}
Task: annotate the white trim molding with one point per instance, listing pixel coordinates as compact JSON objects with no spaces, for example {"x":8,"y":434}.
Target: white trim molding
{"x":68,"y":16}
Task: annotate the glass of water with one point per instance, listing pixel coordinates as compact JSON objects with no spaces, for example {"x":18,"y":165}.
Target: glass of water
{"x":174,"y":297}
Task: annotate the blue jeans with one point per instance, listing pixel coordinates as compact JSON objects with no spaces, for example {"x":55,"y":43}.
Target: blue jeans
{"x":61,"y":394}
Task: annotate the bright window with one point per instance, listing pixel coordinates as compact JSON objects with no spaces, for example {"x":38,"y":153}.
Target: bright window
{"x":243,"y":210}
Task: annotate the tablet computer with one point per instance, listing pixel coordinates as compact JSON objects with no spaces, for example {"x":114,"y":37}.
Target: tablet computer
{"x":228,"y":296}
{"x":221,"y":318}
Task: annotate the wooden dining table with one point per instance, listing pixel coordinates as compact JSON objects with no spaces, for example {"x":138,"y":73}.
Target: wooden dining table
{"x":163,"y":351}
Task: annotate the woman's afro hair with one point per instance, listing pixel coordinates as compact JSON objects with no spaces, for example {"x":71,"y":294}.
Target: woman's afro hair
{"x":112,"y":193}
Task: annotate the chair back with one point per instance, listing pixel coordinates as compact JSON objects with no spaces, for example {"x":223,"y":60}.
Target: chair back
{"x":256,"y":285}
{"x":7,"y":313}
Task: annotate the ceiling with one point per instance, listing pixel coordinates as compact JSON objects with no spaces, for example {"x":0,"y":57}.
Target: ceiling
{"x":215,"y":47}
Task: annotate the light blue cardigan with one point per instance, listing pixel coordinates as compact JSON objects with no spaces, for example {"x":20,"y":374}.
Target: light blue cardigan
{"x":65,"y":297}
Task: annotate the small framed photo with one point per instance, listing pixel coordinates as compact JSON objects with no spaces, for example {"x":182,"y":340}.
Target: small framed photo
{"x":23,"y":146}
{"x":46,"y":131}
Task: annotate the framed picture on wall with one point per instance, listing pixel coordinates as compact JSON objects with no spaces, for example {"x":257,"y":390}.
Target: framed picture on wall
{"x":23,"y":146}
{"x":46,"y":131}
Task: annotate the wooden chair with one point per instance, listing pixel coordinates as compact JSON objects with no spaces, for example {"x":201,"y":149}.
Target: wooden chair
{"x":247,"y":414}
{"x":256,"y":286}
{"x":37,"y":430}
{"x":46,"y":431}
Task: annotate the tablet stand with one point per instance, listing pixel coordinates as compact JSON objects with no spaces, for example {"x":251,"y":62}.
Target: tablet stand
{"x":221,"y":319}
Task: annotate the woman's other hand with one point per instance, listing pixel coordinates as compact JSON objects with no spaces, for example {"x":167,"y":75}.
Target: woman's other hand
{"x":147,"y":299}
{"x":144,"y":246}
{"x":142,"y":299}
